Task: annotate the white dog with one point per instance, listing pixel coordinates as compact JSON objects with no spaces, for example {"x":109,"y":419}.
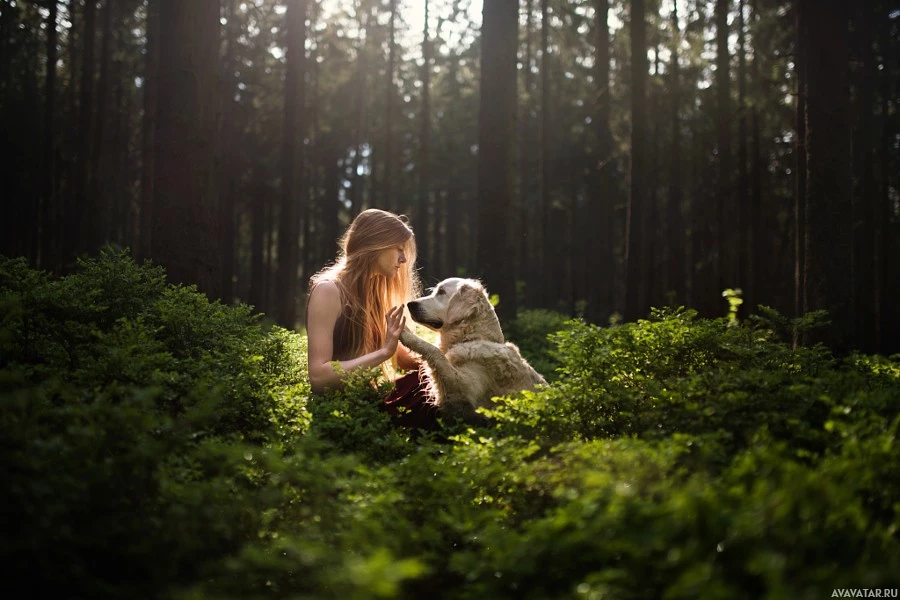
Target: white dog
{"x":473,"y":363}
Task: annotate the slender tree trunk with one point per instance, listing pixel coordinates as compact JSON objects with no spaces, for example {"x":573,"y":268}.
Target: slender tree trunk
{"x":456,"y":204}
{"x":292,"y":163}
{"x":389,"y":171}
{"x":800,"y":69}
{"x":758,"y":289}
{"x":636,"y":302}
{"x":829,"y":242}
{"x":256,"y":293}
{"x":330,"y":200}
{"x":69,"y":220}
{"x":525,"y":162}
{"x":676,"y":191}
{"x":743,"y":188}
{"x":496,"y":134}
{"x":356,"y":191}
{"x":423,"y":220}
{"x":723,"y":235}
{"x":887,"y":319}
{"x":49,"y":208}
{"x":185,"y":228}
{"x":864,"y":199}
{"x":148,"y":126}
{"x":545,"y":161}
{"x":312,"y":240}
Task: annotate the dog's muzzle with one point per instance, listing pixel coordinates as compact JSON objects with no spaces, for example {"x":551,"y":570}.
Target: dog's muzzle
{"x":415,"y":311}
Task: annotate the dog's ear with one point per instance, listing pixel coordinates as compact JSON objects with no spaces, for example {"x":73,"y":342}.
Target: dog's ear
{"x":469,"y":300}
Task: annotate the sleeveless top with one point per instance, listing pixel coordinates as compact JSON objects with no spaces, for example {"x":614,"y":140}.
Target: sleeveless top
{"x":340,"y":338}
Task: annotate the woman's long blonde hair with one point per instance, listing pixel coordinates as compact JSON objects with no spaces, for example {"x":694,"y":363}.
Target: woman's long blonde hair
{"x":367,"y":294}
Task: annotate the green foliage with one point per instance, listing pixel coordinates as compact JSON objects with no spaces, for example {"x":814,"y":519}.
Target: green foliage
{"x":160,"y":445}
{"x":530,"y":331}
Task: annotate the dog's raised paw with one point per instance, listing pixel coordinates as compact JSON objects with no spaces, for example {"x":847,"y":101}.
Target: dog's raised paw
{"x":407,"y":337}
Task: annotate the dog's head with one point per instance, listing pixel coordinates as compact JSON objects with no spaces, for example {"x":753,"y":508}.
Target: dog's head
{"x":459,"y":305}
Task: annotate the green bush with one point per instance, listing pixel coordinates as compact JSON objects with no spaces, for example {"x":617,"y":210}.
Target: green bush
{"x":530,"y":332}
{"x":157,"y":444}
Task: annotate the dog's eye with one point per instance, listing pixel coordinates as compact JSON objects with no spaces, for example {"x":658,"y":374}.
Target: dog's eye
{"x":440,"y":292}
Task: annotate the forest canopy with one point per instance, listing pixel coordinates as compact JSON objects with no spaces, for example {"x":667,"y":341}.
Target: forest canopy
{"x":594,"y":157}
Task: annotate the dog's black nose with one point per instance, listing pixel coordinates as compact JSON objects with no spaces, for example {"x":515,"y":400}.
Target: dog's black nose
{"x":412,"y":304}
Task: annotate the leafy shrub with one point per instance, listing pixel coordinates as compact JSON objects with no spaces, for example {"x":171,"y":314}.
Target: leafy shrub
{"x":530,"y":331}
{"x":157,"y":444}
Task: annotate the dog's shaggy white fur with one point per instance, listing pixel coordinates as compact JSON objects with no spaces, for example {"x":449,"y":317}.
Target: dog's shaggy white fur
{"x":474,"y":363}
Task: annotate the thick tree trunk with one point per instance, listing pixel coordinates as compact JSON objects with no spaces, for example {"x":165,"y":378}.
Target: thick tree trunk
{"x":97,"y":211}
{"x":864,"y":198}
{"x":829,"y":241}
{"x":229,"y":168}
{"x":496,"y":134}
{"x":602,"y":196}
{"x":887,"y":315}
{"x":77,"y":229}
{"x":292,"y":163}
{"x":636,"y":289}
{"x":185,"y":226}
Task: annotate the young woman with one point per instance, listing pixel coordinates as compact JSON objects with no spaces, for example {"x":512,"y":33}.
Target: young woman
{"x":355,"y":313}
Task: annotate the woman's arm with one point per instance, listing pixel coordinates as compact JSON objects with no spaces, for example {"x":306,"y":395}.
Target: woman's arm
{"x":324,"y":310}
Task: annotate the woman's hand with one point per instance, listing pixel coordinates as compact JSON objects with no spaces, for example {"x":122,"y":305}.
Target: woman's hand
{"x":396,"y":323}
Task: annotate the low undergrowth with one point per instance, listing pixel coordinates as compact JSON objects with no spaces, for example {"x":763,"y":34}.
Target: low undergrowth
{"x":159,"y":445}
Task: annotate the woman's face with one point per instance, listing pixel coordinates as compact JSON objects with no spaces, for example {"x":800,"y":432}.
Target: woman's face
{"x":390,"y":260}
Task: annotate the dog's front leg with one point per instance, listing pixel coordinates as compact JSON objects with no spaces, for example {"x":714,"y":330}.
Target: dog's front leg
{"x":435,"y":358}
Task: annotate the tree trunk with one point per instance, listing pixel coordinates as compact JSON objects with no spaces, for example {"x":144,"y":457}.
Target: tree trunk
{"x":97,"y":210}
{"x":547,"y":242}
{"x":829,"y":242}
{"x":423,"y":208}
{"x":148,"y":125}
{"x":78,"y":227}
{"x":800,"y":71}
{"x":228,"y":174}
{"x":526,"y":142}
{"x":496,"y":134}
{"x":724,"y":231}
{"x":636,"y":302}
{"x":50,"y":210}
{"x":757,"y":288}
{"x":292,"y":163}
{"x":185,"y":227}
{"x":356,"y":190}
{"x":887,"y":335}
{"x":389,"y":171}
{"x":676,"y":191}
{"x":864,"y":198}
{"x":743,"y":188}
{"x":256,"y":293}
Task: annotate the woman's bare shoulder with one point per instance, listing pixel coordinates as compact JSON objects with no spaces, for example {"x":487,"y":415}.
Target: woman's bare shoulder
{"x":325,"y":299}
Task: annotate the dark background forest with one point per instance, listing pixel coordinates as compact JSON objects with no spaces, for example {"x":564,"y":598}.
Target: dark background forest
{"x":594,"y":157}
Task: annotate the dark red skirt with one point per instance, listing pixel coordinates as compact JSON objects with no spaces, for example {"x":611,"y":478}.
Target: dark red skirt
{"x":408,"y":404}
